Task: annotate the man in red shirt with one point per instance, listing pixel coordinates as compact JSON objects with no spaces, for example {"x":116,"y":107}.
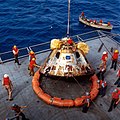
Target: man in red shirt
{"x":115,"y":99}
{"x":6,"y":82}
{"x":104,"y":58}
{"x":18,"y":111}
{"x":31,"y":55}
{"x":15,"y":51}
{"x":114,"y":59}
{"x":82,"y":14}
{"x":32,"y":64}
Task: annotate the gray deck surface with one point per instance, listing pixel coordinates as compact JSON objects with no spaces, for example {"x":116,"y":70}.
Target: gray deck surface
{"x":23,"y":93}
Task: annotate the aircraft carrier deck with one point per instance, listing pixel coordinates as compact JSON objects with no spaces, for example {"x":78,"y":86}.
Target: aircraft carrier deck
{"x":23,"y":93}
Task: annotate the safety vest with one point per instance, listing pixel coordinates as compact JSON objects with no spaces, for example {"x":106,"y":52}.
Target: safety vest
{"x":115,"y":56}
{"x":115,"y":95}
{"x":15,"y":51}
{"x":6,"y":81}
{"x":32,"y":64}
{"x":31,"y":56}
{"x":104,"y":57}
{"x":103,"y":84}
{"x":16,"y":109}
{"x":70,"y":41}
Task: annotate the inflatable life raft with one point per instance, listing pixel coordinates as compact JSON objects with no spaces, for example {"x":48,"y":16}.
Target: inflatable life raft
{"x":56,"y":101}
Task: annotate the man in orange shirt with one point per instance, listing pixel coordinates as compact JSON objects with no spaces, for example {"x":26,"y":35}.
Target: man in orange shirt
{"x":32,"y":64}
{"x":114,"y":59}
{"x":31,"y":55}
{"x":6,"y":82}
{"x":15,"y":51}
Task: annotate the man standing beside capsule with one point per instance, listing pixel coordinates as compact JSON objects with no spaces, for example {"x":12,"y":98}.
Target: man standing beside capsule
{"x":31,"y":66}
{"x":114,"y":59}
{"x":31,"y":55}
{"x":86,"y":102}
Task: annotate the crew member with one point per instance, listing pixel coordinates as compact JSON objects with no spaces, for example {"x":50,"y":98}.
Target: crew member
{"x":70,"y":41}
{"x":86,"y":103}
{"x":6,"y":82}
{"x":101,"y":21}
{"x":109,"y":24}
{"x":18,"y":111}
{"x":102,"y":88}
{"x":95,"y":21}
{"x":118,"y":80}
{"x":91,"y":21}
{"x":102,"y":70}
{"x":104,"y":58}
{"x":32,"y":64}
{"x":31,"y":55}
{"x":114,"y":59}
{"x":115,"y":99}
{"x":15,"y":51}
{"x":82,"y":14}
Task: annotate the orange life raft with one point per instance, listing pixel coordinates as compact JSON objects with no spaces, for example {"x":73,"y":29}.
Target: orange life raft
{"x":63,"y":102}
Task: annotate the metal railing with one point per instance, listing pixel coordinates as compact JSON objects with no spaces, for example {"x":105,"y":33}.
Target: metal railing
{"x":44,"y":47}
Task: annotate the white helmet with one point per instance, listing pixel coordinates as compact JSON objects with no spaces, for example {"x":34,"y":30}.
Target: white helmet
{"x":6,"y":75}
{"x":104,"y":52}
{"x":87,"y":93}
{"x":115,"y":90}
{"x":98,"y":81}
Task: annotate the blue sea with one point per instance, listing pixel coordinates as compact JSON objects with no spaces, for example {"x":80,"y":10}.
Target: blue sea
{"x":28,"y":22}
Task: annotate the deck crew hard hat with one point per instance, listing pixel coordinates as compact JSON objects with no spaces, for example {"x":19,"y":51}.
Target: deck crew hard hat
{"x":33,"y":58}
{"x":14,"y":46}
{"x":104,"y":52}
{"x":115,"y":90}
{"x":6,"y":75}
{"x":87,"y":93}
{"x":31,"y":52}
{"x":98,"y":81}
{"x":116,"y":51}
{"x":14,"y":105}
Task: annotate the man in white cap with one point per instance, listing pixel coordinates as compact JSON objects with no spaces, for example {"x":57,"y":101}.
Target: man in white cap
{"x":104,"y":58}
{"x":18,"y":111}
{"x":6,"y":82}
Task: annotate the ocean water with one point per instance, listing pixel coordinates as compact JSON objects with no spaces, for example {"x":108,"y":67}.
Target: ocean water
{"x":28,"y":22}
